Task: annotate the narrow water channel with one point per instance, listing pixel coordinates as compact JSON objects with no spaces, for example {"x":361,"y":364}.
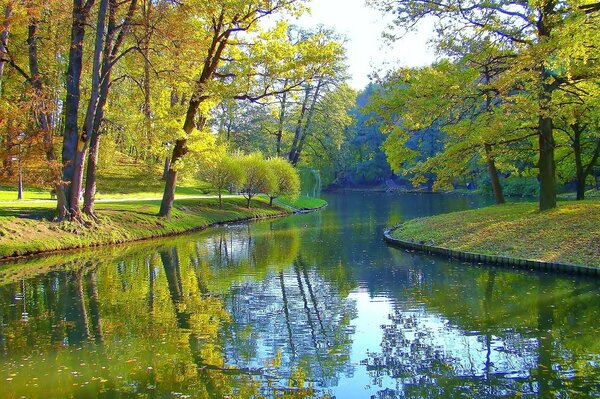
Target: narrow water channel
{"x":309,"y":306}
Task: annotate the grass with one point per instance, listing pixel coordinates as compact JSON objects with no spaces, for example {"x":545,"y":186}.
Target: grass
{"x":303,"y":202}
{"x":569,"y":234}
{"x":128,"y":201}
{"x":589,"y":194}
{"x":25,"y":228}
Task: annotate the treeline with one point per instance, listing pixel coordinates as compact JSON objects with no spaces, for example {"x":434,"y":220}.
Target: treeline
{"x":85,"y":79}
{"x":517,"y":93}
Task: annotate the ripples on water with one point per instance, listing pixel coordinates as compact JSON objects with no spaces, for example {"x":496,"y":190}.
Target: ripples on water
{"x":310,"y":306}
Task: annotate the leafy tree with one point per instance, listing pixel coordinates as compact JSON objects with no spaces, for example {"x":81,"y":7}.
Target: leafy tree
{"x":550,"y":56}
{"x":287,"y":180}
{"x":258,"y":176}
{"x":221,"y":172}
{"x":239,"y":65}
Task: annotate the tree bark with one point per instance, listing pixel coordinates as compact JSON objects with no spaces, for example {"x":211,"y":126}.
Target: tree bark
{"x":166,"y":168}
{"x":308,"y":122}
{"x":298,"y":130}
{"x":43,"y":115}
{"x":582,"y":171}
{"x":279,"y":134}
{"x":546,"y":164}
{"x":88,"y":124}
{"x":111,"y":48}
{"x":146,"y":12}
{"x":4,"y":39}
{"x":493,"y":172}
{"x":211,"y":62}
{"x":171,"y":181}
{"x":70,"y":136}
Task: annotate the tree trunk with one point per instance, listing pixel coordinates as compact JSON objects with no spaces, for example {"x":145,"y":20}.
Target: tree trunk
{"x":90,"y":177}
{"x":271,"y":200}
{"x":579,"y":173}
{"x":308,"y":122}
{"x":171,"y":181}
{"x":546,"y":164}
{"x":88,"y":124}
{"x":298,"y":130}
{"x":220,"y":200}
{"x":211,"y":62}
{"x":279,"y":134}
{"x":166,"y":168}
{"x":248,"y":201}
{"x":491,"y":164}
{"x":4,"y":39}
{"x":70,"y":135}
{"x":42,"y":114}
{"x":111,"y":47}
{"x":146,"y":12}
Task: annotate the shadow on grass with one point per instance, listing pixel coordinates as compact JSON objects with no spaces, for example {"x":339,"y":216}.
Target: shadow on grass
{"x":23,"y":212}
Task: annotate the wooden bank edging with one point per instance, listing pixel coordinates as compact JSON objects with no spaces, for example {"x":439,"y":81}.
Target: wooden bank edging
{"x":505,"y":261}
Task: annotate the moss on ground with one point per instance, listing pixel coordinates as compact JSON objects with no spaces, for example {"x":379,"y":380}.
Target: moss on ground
{"x":26,"y":228}
{"x":568,"y":234}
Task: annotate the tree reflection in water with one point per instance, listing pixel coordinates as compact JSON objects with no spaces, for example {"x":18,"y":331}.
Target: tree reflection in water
{"x":310,"y":306}
{"x":201,"y":318}
{"x":488,"y":333}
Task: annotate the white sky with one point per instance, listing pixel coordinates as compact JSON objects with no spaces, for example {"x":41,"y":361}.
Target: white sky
{"x":366,"y":50}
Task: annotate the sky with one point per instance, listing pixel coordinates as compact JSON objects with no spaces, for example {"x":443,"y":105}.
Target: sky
{"x":366,"y":49}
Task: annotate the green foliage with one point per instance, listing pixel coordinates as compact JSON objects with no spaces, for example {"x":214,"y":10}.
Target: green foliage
{"x":287,"y":180}
{"x":221,"y":172}
{"x":257,"y":176}
{"x":515,"y":186}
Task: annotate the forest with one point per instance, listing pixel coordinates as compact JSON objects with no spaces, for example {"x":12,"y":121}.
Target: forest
{"x":90,"y":88}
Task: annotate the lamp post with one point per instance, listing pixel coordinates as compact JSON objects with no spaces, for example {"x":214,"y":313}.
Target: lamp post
{"x":20,"y":137}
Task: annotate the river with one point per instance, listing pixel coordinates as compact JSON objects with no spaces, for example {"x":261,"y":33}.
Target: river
{"x":308,"y":306}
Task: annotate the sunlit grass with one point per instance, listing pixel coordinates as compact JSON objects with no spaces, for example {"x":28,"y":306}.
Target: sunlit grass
{"x":26,"y":227}
{"x":570,"y":233}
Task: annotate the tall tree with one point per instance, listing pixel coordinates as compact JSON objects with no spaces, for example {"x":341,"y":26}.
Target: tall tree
{"x":530,"y":28}
{"x":235,"y":66}
{"x":80,"y":14}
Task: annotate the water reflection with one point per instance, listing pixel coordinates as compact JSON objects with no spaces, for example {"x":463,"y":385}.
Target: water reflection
{"x":310,"y":306}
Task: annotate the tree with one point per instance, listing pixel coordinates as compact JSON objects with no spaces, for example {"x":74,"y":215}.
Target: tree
{"x":258,"y":176}
{"x":222,"y":172}
{"x":244,"y":68}
{"x":537,"y":32}
{"x":287,"y":180}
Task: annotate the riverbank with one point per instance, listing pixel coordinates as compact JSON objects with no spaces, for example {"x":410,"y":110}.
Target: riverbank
{"x":26,"y":227}
{"x":569,"y":234}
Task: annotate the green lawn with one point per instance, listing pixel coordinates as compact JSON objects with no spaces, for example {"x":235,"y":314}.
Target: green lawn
{"x":26,"y":227}
{"x":570,"y":233}
{"x":303,"y":202}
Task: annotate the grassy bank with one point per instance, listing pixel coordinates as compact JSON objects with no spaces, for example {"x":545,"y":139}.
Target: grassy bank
{"x":25,"y":227}
{"x":567,"y":234}
{"x":304,"y":203}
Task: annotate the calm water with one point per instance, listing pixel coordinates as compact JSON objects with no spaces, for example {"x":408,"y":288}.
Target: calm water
{"x":311,"y":306}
